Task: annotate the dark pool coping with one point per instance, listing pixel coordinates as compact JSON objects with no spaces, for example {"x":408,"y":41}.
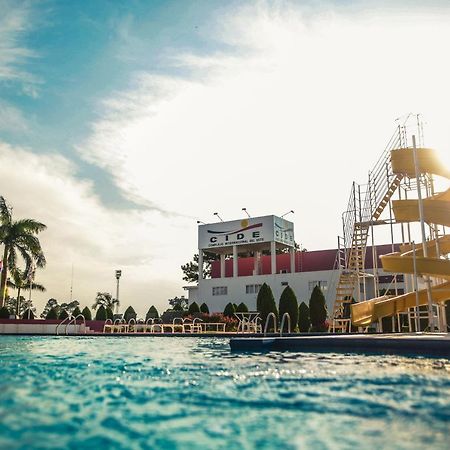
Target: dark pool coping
{"x":420,"y":344}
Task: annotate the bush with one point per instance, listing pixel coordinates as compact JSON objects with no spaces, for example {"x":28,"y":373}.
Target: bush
{"x":235,"y":306}
{"x":266,"y":303}
{"x":242,"y":307}
{"x":63,"y":315}
{"x":4,"y":312}
{"x":289,"y":304}
{"x":193,"y":308}
{"x":87,"y":313}
{"x":109,"y":313}
{"x":204,"y":308}
{"x":229,"y":310}
{"x":28,"y":314}
{"x":318,"y":310}
{"x":304,"y":322}
{"x":76,"y":312}
{"x":52,"y":314}
{"x":129,"y":314}
{"x":152,"y":313}
{"x":101,"y":313}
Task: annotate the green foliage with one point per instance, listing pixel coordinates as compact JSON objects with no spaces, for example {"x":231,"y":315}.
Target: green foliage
{"x":104,"y":299}
{"x":235,"y":306}
{"x":109,"y":313}
{"x":204,"y":308}
{"x":129,"y":314}
{"x":28,"y":314}
{"x":304,"y":322}
{"x":318,"y":310}
{"x":101,"y":313}
{"x":242,"y":307}
{"x":289,"y":304}
{"x":229,"y":310}
{"x":152,"y":313}
{"x":266,"y":303}
{"x":193,"y":308}
{"x":178,"y":303}
{"x":52,"y":303}
{"x":76,"y":311}
{"x":52,"y":314}
{"x":190,"y":269}
{"x":4,"y":312}
{"x":63,"y":315}
{"x":87,"y":313}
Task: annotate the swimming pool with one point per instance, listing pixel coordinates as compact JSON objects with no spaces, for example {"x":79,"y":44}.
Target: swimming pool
{"x":192,"y":393}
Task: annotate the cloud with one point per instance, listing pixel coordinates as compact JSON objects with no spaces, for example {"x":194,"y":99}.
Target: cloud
{"x":16,"y":20}
{"x":12,"y":119}
{"x":300,"y":105}
{"x":96,"y":240}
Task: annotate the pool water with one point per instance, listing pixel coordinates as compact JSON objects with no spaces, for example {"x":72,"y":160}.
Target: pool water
{"x":192,"y":393}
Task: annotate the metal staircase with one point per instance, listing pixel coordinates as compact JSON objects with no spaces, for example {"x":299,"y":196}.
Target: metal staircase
{"x":363,"y":211}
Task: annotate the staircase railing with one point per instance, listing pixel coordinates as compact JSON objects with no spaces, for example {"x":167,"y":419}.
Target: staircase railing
{"x":74,"y":320}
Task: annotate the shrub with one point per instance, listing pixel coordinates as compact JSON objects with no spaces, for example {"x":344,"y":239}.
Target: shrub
{"x":289,"y":304}
{"x":129,"y":314}
{"x":52,"y":314}
{"x":304,"y":322}
{"x":193,"y":308}
{"x":63,"y":315}
{"x":152,"y":313}
{"x":242,"y":307}
{"x":4,"y":312}
{"x":317,"y":310}
{"x":101,"y":313}
{"x":204,"y":308}
{"x":76,"y":312}
{"x":229,"y":310}
{"x":28,"y":314}
{"x":266,"y":303}
{"x":235,"y":306}
{"x":109,"y":313}
{"x":87,"y":313}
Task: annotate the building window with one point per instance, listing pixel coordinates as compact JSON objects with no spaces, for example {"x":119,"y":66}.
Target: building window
{"x":321,"y":283}
{"x":252,"y":288}
{"x":284,"y":283}
{"x":220,"y":290}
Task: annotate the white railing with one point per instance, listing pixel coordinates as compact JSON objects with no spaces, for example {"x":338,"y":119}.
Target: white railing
{"x":266,"y":326}
{"x":61,"y":323}
{"x":74,"y":320}
{"x":288,"y":317}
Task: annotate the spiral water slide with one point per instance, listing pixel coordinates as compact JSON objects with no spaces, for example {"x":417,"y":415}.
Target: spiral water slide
{"x":436,"y":210}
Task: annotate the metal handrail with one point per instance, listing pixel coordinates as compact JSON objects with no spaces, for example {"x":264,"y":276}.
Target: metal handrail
{"x":266,"y":326}
{"x":132,"y":321}
{"x":285,"y":315}
{"x":61,"y":323}
{"x":74,"y":320}
{"x":106,"y":323}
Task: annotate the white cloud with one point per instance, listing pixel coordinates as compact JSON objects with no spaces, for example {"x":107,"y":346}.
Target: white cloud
{"x":301,"y":106}
{"x":12,"y":118}
{"x":96,"y":240}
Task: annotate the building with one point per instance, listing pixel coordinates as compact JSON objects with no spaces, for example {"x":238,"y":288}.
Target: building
{"x":262,"y":250}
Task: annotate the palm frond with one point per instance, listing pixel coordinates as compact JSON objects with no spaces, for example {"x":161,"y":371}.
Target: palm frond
{"x":5,"y":213}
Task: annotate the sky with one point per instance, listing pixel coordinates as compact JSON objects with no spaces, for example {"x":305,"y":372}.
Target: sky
{"x":123,"y":123}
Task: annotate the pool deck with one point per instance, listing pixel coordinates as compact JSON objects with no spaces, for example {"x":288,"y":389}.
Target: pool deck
{"x":420,"y":344}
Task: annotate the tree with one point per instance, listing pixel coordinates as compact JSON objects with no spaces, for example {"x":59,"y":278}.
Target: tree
{"x":109,"y":313}
{"x":52,"y":303}
{"x":101,"y":313}
{"x":70,"y":307}
{"x":18,"y":237}
{"x":266,"y":303}
{"x":229,"y":310}
{"x":289,"y":304}
{"x":76,"y":312}
{"x":129,"y":314}
{"x":4,"y":312}
{"x":22,"y":281}
{"x":318,"y":310}
{"x":105,"y":299}
{"x":52,"y":314}
{"x":28,"y":314}
{"x":63,"y":314}
{"x":204,"y":308}
{"x":178,"y":303}
{"x":24,"y":304}
{"x":304,"y":322}
{"x":190,"y":269}
{"x":193,"y":308}
{"x":152,"y":313}
{"x":242,"y":307}
{"x":86,"y":313}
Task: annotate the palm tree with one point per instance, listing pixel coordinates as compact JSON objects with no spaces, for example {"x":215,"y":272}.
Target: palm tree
{"x":22,"y":281}
{"x":105,"y":299}
{"x":18,"y":236}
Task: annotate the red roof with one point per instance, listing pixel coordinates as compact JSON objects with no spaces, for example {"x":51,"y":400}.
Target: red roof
{"x":313,"y":261}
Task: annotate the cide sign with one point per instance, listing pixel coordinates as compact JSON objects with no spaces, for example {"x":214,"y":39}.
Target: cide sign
{"x":254,"y":230}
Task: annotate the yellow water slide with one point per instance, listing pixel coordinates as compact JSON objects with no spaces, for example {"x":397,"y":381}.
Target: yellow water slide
{"x":436,"y":210}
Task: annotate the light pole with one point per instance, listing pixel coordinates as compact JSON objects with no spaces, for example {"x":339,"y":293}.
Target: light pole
{"x":118,"y":275}
{"x":246,"y":212}
{"x":289,"y":212}
{"x":217,"y":214}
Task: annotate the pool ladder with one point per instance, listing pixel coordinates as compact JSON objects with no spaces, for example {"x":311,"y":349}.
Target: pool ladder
{"x":274,"y":317}
{"x":69,"y":321}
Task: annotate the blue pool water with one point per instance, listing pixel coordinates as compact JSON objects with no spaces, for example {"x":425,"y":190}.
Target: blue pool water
{"x":192,"y":393}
